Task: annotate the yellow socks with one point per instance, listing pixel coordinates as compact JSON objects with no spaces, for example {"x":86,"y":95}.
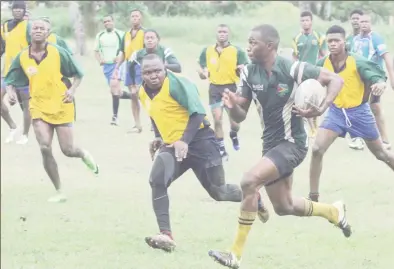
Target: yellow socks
{"x":245,"y":222}
{"x":326,"y":211}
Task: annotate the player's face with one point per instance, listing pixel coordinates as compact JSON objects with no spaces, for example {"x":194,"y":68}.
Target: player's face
{"x":39,"y":31}
{"x":365,"y":23}
{"x":108,"y":23}
{"x":257,"y":49}
{"x":153,"y":73}
{"x":135,"y":18}
{"x":18,"y":13}
{"x":306,"y":22}
{"x":222,"y":34}
{"x":336,"y":43}
{"x":355,"y":21}
{"x":151,"y":40}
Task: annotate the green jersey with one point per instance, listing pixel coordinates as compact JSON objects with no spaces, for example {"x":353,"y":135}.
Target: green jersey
{"x":164,"y":53}
{"x":307,"y":47}
{"x":275,"y":93}
{"x":349,"y":42}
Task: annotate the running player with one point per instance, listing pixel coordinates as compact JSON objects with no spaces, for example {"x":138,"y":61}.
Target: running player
{"x":350,"y":112}
{"x":132,"y":41}
{"x":185,"y":141}
{"x":371,"y":45}
{"x":16,"y":36}
{"x":107,"y":46}
{"x":221,"y":63}
{"x":46,"y":68}
{"x":272,"y":79}
{"x":309,"y":46}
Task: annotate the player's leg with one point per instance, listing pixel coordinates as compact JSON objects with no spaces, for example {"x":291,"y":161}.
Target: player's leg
{"x":114,"y":85}
{"x":5,"y":114}
{"x":234,"y":127}
{"x":134,"y":85}
{"x":332,"y":127}
{"x":216,"y":105}
{"x":65,"y":136}
{"x":25,"y":97}
{"x":278,"y":163}
{"x":164,"y":171}
{"x":376,"y":107}
{"x":312,"y":127}
{"x":44,"y":135}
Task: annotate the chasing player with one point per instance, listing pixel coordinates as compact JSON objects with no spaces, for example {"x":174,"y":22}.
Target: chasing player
{"x":185,"y":141}
{"x":271,"y":79}
{"x":371,"y":45}
{"x":16,"y":36}
{"x":350,"y":112}
{"x":133,"y":40}
{"x":221,"y":64}
{"x":46,"y":68}
{"x":309,"y":46}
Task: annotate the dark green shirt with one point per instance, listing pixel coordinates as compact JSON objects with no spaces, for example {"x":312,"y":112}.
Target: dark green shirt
{"x":307,"y":47}
{"x":275,"y":93}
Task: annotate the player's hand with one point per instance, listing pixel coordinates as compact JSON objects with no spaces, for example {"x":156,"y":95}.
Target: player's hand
{"x":154,"y":146}
{"x":239,"y":69}
{"x":102,"y":62}
{"x":12,"y":98}
{"x":229,"y":98}
{"x":181,"y":149}
{"x":68,"y":96}
{"x":378,"y":89}
{"x":203,"y":73}
{"x":311,"y":112}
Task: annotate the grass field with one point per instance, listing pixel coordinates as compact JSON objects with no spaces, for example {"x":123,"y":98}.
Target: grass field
{"x":104,"y":223}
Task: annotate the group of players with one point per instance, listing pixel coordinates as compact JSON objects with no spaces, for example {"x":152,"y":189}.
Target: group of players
{"x":183,"y":136}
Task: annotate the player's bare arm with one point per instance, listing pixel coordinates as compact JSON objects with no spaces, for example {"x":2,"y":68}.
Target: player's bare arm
{"x":390,"y":68}
{"x":238,"y":106}
{"x":334,"y":84}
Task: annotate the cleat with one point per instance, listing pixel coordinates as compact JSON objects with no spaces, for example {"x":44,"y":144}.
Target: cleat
{"x":235,"y":141}
{"x":22,"y":140}
{"x":11,"y":136}
{"x":356,"y":144}
{"x":161,"y":241}
{"x":342,"y":221}
{"x":262,"y":211}
{"x":114,"y":121}
{"x":224,"y":155}
{"x":58,"y":198}
{"x":90,"y":163}
{"x":227,"y":259}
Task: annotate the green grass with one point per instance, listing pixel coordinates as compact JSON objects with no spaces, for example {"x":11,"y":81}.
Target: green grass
{"x":104,"y":223}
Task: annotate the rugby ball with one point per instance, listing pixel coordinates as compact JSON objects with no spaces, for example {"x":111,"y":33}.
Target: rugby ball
{"x":309,"y":93}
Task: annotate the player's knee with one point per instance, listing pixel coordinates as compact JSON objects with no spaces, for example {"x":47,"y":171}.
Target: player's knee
{"x":68,"y":151}
{"x":381,"y":155}
{"x":162,"y":170}
{"x":134,"y":96}
{"x":376,"y":110}
{"x":45,"y":149}
{"x":249,"y":183}
{"x":318,"y":151}
{"x":217,"y":193}
{"x":282,"y":209}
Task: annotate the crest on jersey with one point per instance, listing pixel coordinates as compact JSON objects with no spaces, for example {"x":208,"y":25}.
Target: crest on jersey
{"x":213,"y":61}
{"x":282,"y":89}
{"x":314,"y":42}
{"x":31,"y":70}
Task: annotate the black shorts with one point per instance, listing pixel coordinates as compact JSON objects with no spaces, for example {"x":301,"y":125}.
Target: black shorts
{"x":203,"y":158}
{"x":286,"y":156}
{"x":373,"y":99}
{"x":216,"y":92}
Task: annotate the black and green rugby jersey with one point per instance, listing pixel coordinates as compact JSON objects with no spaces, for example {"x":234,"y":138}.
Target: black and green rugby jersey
{"x":275,"y":93}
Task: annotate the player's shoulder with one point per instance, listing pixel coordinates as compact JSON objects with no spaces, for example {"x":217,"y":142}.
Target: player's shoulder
{"x":375,"y":35}
{"x":297,"y":36}
{"x":55,"y":47}
{"x":322,"y":60}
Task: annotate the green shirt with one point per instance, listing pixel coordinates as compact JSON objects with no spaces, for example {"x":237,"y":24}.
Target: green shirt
{"x":275,"y":93}
{"x":307,"y":47}
{"x":164,"y":53}
{"x":108,"y":44}
{"x":349,"y":42}
{"x":17,"y":77}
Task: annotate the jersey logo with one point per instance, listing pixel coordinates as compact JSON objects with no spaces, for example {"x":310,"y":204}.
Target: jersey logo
{"x":314,"y":42}
{"x":31,"y":71}
{"x":282,"y":90}
{"x":258,"y":87}
{"x":213,"y":61}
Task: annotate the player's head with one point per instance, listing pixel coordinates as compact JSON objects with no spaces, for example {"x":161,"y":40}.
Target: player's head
{"x":365,"y":23}
{"x":135,"y":17}
{"x":336,"y":39}
{"x":108,"y":22}
{"x":263,"y":41}
{"x":39,"y":31}
{"x":355,"y":18}
{"x":47,"y":22}
{"x":222,"y":33}
{"x":151,"y":39}
{"x":18,"y":9}
{"x":306,"y":20}
{"x":153,"y":71}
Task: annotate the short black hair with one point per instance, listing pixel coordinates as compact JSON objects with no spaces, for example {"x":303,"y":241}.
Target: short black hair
{"x":151,"y":56}
{"x":306,"y":13}
{"x":136,"y":9}
{"x":357,"y":11}
{"x":109,"y":15}
{"x":152,"y":31}
{"x":268,"y":34}
{"x":336,"y":29}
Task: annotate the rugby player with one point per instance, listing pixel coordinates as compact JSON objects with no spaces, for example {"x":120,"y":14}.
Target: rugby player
{"x":221,"y":63}
{"x":133,"y":40}
{"x":183,"y":141}
{"x":371,"y":45}
{"x":106,"y":48}
{"x":46,"y":68}
{"x":16,"y":35}
{"x":308,"y":46}
{"x":350,"y":112}
{"x":272,"y":80}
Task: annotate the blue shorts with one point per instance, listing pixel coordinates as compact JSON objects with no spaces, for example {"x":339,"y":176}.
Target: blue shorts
{"x":108,"y":70}
{"x":2,"y":84}
{"x":357,"y":121}
{"x":129,"y":80}
{"x":24,"y":89}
